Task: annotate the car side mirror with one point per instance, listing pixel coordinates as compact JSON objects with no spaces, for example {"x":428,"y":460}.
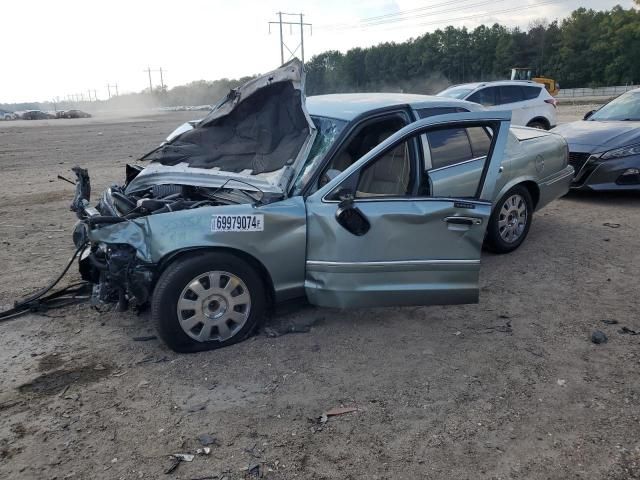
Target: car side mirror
{"x":351,"y":218}
{"x":588,"y":114}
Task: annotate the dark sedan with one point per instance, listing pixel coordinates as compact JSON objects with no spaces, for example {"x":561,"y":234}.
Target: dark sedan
{"x":604,"y":148}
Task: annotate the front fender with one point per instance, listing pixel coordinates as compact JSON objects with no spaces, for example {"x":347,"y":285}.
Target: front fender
{"x":280,"y":247}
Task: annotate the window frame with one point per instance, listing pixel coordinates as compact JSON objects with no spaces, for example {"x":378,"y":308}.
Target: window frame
{"x":353,"y":128}
{"x":422,"y":179}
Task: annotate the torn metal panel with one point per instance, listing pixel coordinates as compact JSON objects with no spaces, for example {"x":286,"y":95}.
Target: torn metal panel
{"x":261,"y":130}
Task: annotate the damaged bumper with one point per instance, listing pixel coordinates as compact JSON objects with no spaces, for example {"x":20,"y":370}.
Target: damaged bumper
{"x":112,"y":260}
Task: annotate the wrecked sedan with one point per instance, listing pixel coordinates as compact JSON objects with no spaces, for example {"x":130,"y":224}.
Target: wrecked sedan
{"x":357,"y":202}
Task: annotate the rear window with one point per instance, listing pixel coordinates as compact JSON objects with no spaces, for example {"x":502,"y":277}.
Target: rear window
{"x":531,"y":92}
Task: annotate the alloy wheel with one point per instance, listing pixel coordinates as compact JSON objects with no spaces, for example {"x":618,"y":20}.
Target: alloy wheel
{"x":214,"y":306}
{"x":512,"y":219}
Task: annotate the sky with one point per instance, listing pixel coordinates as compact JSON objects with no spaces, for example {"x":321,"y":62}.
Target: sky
{"x":57,"y":48}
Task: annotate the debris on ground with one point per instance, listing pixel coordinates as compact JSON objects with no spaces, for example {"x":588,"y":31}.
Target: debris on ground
{"x":336,"y":411}
{"x":561,"y":382}
{"x":205,"y":440}
{"x":628,"y":331}
{"x":296,"y":323}
{"x":184,"y":457}
{"x":611,"y":225}
{"x":610,"y":322}
{"x":255,"y":471}
{"x":174,"y":464}
{"x":598,"y":337}
{"x":203,"y":451}
{"x":278,"y":332}
{"x":145,"y":338}
{"x":197,"y":407}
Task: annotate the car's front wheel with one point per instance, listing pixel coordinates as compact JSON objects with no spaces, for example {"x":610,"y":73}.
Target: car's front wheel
{"x":207,"y":300}
{"x":510,"y":220}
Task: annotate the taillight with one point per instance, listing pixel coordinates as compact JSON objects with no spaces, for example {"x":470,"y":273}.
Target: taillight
{"x":552,"y":101}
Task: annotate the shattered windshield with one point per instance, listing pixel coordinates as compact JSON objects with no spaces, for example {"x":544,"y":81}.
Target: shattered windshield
{"x":328,"y":130}
{"x":625,"y":107}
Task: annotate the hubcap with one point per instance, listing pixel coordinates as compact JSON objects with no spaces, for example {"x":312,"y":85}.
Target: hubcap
{"x":214,"y":306}
{"x":513,"y":218}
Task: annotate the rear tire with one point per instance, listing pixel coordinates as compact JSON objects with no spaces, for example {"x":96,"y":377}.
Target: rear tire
{"x":538,"y":124}
{"x":510,"y":221}
{"x":206,"y":301}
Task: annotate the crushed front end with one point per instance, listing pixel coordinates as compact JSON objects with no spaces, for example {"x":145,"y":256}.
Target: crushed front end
{"x":114,"y":236}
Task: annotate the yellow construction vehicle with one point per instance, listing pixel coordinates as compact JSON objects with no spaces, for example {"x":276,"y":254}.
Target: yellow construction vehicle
{"x":527,"y":74}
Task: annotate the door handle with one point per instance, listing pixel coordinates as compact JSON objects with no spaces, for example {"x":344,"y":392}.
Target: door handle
{"x":464,"y":220}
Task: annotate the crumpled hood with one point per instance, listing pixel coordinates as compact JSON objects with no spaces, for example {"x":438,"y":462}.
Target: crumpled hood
{"x":599,"y":136}
{"x":260,"y":134}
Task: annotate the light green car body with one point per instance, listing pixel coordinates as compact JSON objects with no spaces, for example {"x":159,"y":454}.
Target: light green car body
{"x":413,"y":253}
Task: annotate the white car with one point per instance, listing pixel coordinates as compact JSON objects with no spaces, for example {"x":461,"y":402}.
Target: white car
{"x":530,"y":103}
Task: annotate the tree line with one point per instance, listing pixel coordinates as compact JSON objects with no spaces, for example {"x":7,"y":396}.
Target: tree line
{"x":587,"y":49}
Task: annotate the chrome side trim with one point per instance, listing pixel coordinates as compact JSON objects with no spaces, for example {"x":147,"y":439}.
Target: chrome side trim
{"x":391,"y":263}
{"x":439,"y":169}
{"x":567,"y":171}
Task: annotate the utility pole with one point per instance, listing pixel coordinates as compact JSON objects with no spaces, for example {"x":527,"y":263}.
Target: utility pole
{"x":150,"y":84}
{"x":115,"y":85}
{"x":148,"y":70}
{"x":283,"y":45}
{"x":89,"y":91}
{"x":281,"y":40}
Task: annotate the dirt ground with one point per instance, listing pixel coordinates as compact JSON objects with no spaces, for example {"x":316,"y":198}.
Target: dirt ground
{"x":511,"y":388}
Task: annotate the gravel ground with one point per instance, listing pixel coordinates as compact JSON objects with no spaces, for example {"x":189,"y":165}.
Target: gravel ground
{"x":511,"y":388}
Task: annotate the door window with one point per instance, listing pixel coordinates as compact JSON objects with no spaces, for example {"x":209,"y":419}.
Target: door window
{"x":457,"y":159}
{"x":389,"y":175}
{"x":448,"y":147}
{"x":511,"y":94}
{"x":361,"y":142}
{"x":486,"y":96}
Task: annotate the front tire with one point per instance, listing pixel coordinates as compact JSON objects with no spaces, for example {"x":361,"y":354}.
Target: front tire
{"x":510,"y":220}
{"x":207,"y":300}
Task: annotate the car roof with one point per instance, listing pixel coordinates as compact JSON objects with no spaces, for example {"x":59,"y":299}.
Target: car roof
{"x":497,"y":83}
{"x":347,"y":106}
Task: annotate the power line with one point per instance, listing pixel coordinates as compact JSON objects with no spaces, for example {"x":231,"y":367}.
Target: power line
{"x":283,"y":45}
{"x":476,"y":16}
{"x":373,"y":22}
{"x":395,"y":14}
{"x":473,"y":16}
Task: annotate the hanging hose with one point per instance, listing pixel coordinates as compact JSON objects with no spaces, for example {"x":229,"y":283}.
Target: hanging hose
{"x":39,"y":300}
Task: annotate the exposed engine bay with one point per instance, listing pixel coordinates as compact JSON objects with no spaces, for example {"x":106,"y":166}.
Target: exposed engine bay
{"x":116,"y":272}
{"x":161,"y":198}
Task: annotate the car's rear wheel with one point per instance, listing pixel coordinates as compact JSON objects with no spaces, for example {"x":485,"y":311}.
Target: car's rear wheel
{"x":510,"y":220}
{"x":207,"y":300}
{"x":538,"y":124}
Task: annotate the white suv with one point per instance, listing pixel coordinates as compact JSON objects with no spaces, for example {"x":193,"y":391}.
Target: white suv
{"x":530,"y":103}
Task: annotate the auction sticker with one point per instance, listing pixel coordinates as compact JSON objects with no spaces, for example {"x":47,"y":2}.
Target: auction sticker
{"x":237,"y":223}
